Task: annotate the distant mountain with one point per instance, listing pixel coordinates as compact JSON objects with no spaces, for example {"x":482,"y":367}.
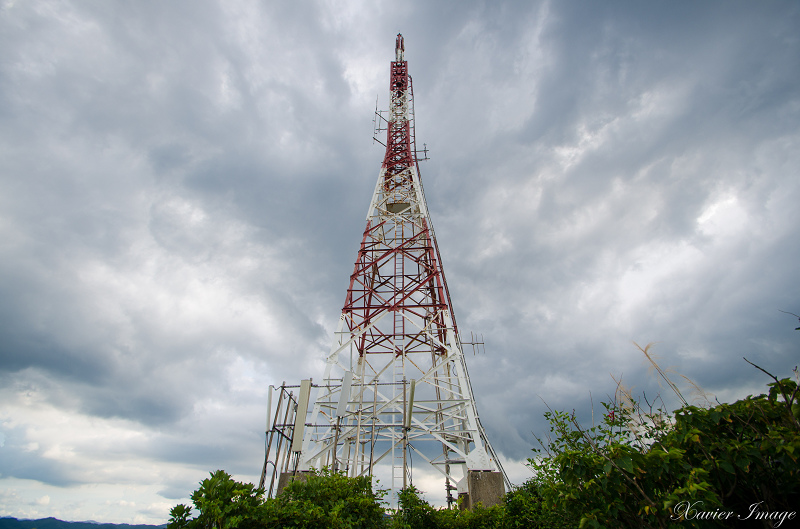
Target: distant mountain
{"x":52,"y":523}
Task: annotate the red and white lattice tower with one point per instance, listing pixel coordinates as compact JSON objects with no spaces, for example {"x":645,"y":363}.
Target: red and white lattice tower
{"x":396,"y":393}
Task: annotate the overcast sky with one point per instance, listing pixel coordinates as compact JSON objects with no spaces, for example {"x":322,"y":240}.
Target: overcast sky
{"x":183,"y":188}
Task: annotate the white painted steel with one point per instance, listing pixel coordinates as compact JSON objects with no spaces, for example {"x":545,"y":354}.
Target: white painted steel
{"x":363,"y":414}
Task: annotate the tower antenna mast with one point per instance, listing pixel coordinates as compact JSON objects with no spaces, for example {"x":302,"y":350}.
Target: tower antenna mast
{"x":396,"y":394}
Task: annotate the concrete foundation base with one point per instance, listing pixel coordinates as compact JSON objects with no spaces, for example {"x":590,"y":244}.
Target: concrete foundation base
{"x":287,"y":477}
{"x":486,"y":488}
{"x":463,"y":500}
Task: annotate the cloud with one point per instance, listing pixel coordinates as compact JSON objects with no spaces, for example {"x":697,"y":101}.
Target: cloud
{"x":182,"y":189}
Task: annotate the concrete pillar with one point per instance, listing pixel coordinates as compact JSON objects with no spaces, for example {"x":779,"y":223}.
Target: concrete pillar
{"x":287,"y":477}
{"x":463,"y":500}
{"x":485,"y":487}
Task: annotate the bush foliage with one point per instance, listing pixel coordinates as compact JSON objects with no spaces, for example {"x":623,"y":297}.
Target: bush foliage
{"x":327,"y":499}
{"x":641,"y":467}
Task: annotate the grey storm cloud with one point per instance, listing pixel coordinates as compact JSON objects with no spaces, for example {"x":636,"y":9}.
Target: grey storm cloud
{"x":183,"y":188}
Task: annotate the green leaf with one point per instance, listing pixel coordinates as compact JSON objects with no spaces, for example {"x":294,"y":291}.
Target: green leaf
{"x":727,"y":467}
{"x":626,"y":463}
{"x":743,"y":463}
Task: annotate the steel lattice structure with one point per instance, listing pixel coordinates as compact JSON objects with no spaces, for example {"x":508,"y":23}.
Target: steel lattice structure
{"x":396,"y":387}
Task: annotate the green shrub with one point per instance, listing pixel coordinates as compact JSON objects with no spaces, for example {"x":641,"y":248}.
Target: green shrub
{"x":326,"y":499}
{"x":641,"y":467}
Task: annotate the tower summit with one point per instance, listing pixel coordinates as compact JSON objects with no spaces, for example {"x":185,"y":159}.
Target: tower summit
{"x":395,"y":395}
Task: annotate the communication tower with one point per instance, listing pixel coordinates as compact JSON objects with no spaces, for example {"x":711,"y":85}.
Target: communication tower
{"x":395,"y":393}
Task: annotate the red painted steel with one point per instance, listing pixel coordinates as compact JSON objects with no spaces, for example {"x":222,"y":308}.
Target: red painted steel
{"x":398,"y":267}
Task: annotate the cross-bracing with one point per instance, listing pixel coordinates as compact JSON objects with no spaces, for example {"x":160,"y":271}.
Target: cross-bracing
{"x":396,"y":388}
